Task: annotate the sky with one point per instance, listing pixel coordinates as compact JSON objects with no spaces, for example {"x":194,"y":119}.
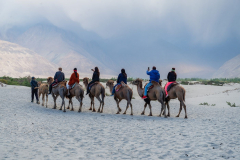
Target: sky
{"x":204,"y":33}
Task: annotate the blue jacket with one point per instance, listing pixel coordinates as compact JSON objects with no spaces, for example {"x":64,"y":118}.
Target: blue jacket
{"x":34,"y":84}
{"x":121,"y":78}
{"x":154,"y":75}
{"x":59,"y":76}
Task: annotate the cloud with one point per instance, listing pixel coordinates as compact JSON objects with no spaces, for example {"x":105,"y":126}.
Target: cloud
{"x":200,"y":21}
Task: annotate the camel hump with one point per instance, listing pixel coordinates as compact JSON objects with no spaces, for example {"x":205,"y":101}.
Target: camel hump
{"x":155,"y":83}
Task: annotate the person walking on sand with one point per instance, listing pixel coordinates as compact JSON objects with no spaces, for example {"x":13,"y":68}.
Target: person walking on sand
{"x":154,"y":76}
{"x":122,"y":77}
{"x":172,"y":77}
{"x":34,"y":88}
{"x":59,"y":77}
{"x":95,"y":78}
{"x":73,"y":79}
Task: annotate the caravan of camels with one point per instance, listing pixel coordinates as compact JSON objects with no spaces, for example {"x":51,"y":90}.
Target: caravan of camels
{"x":120,"y":91}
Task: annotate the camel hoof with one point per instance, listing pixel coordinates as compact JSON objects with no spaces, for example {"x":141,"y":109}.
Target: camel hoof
{"x":64,"y":111}
{"x":150,"y":115}
{"x":177,"y":116}
{"x":186,"y":117}
{"x":94,"y":110}
{"x":131,"y":114}
{"x":101,"y":111}
{"x":120,"y":110}
{"x":142,"y":113}
{"x":165,"y":116}
{"x":124,"y":113}
{"x":67,"y":107}
{"x":98,"y":111}
{"x":42,"y":104}
{"x":90,"y":109}
{"x":79,"y":111}
{"x":160,"y":115}
{"x":168,"y":115}
{"x":117,"y":113}
{"x":53,"y":108}
{"x":60,"y":109}
{"x":72,"y":110}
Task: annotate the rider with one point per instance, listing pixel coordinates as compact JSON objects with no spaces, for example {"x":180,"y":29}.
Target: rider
{"x":172,"y":76}
{"x":59,"y":77}
{"x":73,"y":79}
{"x":154,"y":76}
{"x":95,"y":78}
{"x":34,"y":87}
{"x":122,"y":77}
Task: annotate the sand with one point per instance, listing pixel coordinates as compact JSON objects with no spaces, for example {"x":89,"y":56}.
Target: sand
{"x":31,"y":131}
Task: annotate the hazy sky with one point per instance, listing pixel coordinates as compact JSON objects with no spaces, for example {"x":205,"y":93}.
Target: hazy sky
{"x":205,"y":28}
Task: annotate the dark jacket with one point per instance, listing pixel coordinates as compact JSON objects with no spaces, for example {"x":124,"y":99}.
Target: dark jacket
{"x":154,"y":75}
{"x":172,"y":76}
{"x":121,"y":78}
{"x":95,"y":77}
{"x":59,"y":76}
{"x":34,"y":84}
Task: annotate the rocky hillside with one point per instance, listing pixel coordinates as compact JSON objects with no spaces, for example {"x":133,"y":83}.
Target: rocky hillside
{"x":17,"y":61}
{"x":230,"y":69}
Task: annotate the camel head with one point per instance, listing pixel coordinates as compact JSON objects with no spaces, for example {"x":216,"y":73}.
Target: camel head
{"x":110,"y":83}
{"x":39,"y":83}
{"x":85,"y":81}
{"x":49,"y":80}
{"x":137,"y":81}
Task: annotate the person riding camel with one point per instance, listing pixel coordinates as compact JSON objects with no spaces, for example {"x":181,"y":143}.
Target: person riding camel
{"x":154,"y":76}
{"x":122,"y":77}
{"x":73,"y":79}
{"x":95,"y":78}
{"x":172,"y":76}
{"x":59,"y":77}
{"x":34,"y":88}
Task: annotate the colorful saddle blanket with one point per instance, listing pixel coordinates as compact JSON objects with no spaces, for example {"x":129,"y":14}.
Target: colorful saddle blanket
{"x":149,"y":88}
{"x":171,"y":85}
{"x":63,"y":83}
{"x":72,"y":86}
{"x":118,"y":87}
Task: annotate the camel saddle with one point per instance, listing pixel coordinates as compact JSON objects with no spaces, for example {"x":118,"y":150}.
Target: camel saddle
{"x":72,"y":86}
{"x":93,"y":84}
{"x":149,"y":88}
{"x":172,"y":85}
{"x":118,"y":87}
{"x":63,"y":83}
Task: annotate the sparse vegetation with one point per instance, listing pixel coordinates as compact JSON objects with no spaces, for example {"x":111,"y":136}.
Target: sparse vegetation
{"x":21,"y":81}
{"x":231,"y":104}
{"x":206,"y":104}
{"x":215,"y":81}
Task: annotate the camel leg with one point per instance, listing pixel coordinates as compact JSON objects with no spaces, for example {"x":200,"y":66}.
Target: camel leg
{"x":168,"y":107}
{"x":43,"y":98}
{"x":72,"y":106}
{"x":63,"y":104}
{"x":103,"y":95}
{"x":46,"y":100}
{"x":126,"y":108}
{"x":98,"y":98}
{"x":131,"y":108}
{"x":185,"y":109}
{"x":119,"y":109}
{"x":54,"y":99}
{"x":163,"y":109}
{"x":143,"y":112}
{"x":180,"y":109}
{"x":92,"y":99}
{"x":69,"y":102}
{"x":91,"y":105}
{"x":150,"y":107}
{"x":80,"y":107}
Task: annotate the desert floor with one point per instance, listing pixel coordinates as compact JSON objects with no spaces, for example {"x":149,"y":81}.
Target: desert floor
{"x":32,"y":131}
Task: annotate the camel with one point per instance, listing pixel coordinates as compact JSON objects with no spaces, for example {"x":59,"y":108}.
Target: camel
{"x":95,"y":91}
{"x":156,"y":93}
{"x":78,"y":92}
{"x":177,"y":91}
{"x":124,"y":93}
{"x":43,"y":90}
{"x":61,"y":90}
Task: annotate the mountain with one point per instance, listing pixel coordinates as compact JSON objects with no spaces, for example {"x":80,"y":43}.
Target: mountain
{"x":17,"y":61}
{"x":230,"y":69}
{"x":63,"y":48}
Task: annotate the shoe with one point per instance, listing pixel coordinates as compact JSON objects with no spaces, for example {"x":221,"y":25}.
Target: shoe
{"x":166,"y":96}
{"x":112,"y":95}
{"x":144,"y":97}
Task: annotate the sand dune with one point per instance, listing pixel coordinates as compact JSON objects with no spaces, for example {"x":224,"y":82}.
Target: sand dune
{"x":31,"y":131}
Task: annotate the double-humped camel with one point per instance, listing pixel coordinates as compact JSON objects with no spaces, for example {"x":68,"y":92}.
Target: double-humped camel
{"x":43,"y":90}
{"x":177,"y":91}
{"x":124,"y":93}
{"x":96,"y":91}
{"x":61,"y":90}
{"x":156,"y":93}
{"x":78,"y":92}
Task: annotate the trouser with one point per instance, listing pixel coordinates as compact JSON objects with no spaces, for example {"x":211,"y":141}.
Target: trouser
{"x":146,"y":88}
{"x":113,"y":91}
{"x":88,"y":88}
{"x":50,"y":87}
{"x":34,"y":92}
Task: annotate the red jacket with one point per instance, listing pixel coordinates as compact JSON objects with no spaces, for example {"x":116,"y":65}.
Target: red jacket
{"x":73,"y":79}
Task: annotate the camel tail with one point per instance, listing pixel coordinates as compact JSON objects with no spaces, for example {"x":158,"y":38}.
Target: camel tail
{"x":103,"y":92}
{"x":130,"y":94}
